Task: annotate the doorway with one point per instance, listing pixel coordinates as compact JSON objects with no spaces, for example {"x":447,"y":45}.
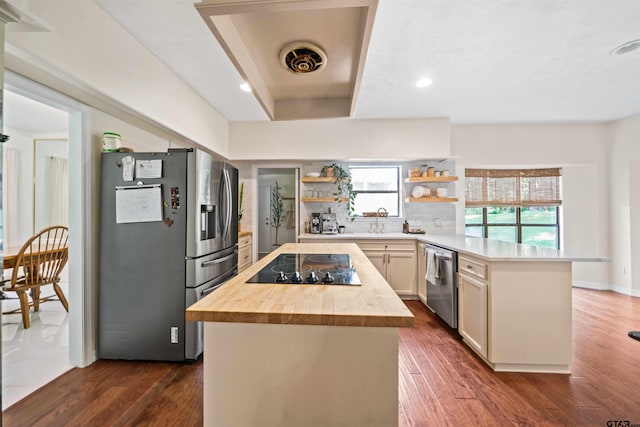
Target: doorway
{"x":35,"y":196}
{"x":277,"y":208}
{"x":81,"y":161}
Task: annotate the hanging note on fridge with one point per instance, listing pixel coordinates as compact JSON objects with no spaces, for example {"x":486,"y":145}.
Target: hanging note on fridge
{"x":148,"y":169}
{"x":138,"y":204}
{"x":128,"y":165}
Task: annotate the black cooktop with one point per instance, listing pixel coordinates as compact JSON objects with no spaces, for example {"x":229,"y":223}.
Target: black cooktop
{"x":309,"y":269}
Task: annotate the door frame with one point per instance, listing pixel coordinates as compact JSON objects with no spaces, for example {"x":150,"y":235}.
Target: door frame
{"x":82,"y":223}
{"x":255,"y":167}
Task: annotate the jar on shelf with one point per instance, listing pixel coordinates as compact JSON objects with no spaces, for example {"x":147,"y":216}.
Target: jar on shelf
{"x":110,"y":142}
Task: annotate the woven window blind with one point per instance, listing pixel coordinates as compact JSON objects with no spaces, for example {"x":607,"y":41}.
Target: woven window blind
{"x":512,"y":187}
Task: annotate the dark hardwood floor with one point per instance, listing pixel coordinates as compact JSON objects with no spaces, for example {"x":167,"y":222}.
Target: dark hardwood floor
{"x":442,"y":382}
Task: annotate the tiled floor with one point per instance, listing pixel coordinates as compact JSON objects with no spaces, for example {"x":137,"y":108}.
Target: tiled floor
{"x":35,"y":356}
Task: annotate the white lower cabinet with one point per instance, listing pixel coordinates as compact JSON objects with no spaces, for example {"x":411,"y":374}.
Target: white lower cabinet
{"x":472,"y":313}
{"x":244,"y":252}
{"x":396,"y":261}
{"x":516,"y":315}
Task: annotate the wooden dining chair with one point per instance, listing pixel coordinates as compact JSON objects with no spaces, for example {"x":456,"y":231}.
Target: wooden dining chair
{"x":39,"y":263}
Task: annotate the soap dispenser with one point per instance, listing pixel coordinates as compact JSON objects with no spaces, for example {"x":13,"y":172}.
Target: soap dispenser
{"x":405,"y":227}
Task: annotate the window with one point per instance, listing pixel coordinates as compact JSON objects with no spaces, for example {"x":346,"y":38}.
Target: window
{"x":376,"y":187}
{"x":520,"y":205}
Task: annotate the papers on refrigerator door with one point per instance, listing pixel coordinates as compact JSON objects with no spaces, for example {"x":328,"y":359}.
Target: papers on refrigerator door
{"x":138,"y":204}
{"x":128,"y":165}
{"x":148,"y":169}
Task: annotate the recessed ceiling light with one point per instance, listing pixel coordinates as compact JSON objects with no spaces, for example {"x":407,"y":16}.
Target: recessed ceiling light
{"x":424,"y":82}
{"x":245,"y":87}
{"x":626,"y":47}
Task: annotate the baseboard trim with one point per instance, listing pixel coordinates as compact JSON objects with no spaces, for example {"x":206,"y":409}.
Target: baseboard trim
{"x":626,"y":291}
{"x":607,"y":287}
{"x":592,"y":285}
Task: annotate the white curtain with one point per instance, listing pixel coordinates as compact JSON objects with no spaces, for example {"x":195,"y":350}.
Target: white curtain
{"x":10,"y":189}
{"x":58,"y":190}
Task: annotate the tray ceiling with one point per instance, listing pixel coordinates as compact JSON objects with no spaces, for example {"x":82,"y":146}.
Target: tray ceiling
{"x":253,"y":35}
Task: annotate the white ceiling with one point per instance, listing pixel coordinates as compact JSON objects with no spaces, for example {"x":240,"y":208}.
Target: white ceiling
{"x":491,"y":61}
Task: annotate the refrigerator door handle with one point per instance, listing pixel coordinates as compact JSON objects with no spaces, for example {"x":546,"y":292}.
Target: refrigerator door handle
{"x":225,"y":197}
{"x":219,"y":260}
{"x":229,"y":201}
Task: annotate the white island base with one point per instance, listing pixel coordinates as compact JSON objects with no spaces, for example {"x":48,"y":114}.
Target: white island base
{"x":260,"y":374}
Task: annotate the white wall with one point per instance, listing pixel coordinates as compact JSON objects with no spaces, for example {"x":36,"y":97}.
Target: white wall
{"x":340,"y":139}
{"x":634,"y":214}
{"x":581,"y":151}
{"x":624,"y":153}
{"x":133,"y":137}
{"x":93,"y":59}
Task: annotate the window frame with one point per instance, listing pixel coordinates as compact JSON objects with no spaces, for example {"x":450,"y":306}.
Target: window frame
{"x":484,"y":226}
{"x":398,"y":191}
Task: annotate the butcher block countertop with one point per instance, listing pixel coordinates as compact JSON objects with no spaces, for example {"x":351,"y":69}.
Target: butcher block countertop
{"x":373,"y":304}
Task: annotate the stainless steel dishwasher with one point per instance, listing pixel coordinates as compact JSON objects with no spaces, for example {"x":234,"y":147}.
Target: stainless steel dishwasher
{"x":442,"y":283}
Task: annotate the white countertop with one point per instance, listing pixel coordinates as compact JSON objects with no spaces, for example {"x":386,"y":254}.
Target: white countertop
{"x":489,"y":249}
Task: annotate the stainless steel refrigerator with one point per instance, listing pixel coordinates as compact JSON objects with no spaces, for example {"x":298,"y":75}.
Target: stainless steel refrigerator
{"x":168,"y":237}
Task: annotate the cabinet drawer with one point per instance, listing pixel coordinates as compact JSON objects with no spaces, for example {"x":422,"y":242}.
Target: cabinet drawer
{"x":472,"y":267}
{"x":244,"y":241}
{"x":244,"y":256}
{"x":387,"y":245}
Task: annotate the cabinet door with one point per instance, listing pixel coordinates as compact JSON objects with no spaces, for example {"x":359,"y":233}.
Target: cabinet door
{"x":472,"y":313}
{"x":378,"y":258}
{"x":401,"y":272}
{"x":422,"y":272}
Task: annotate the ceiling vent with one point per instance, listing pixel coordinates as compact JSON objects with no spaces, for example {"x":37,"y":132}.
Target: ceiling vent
{"x":303,"y":57}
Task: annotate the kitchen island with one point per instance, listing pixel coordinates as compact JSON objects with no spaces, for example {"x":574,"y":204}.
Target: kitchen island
{"x":514,"y":300}
{"x":312,"y":355}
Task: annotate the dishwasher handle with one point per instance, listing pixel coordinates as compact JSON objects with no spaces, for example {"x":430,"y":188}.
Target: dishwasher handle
{"x":444,"y":257}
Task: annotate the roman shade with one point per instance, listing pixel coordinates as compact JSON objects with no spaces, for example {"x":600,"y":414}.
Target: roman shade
{"x":512,"y":187}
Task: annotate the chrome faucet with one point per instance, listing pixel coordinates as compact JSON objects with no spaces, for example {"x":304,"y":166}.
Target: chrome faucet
{"x":378,"y":217}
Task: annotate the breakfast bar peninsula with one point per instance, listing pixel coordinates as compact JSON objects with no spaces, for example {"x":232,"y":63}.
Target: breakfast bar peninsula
{"x":320,"y":352}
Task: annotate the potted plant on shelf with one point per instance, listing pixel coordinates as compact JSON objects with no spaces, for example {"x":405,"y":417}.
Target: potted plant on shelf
{"x":342,"y":178}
